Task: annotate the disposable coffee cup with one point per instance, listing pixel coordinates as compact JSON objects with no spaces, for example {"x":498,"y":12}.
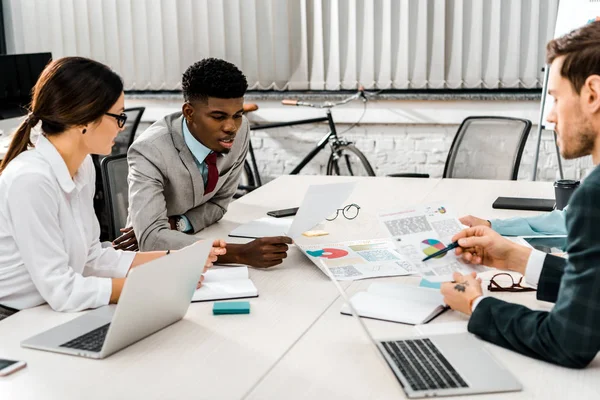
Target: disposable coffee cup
{"x":563,"y":189}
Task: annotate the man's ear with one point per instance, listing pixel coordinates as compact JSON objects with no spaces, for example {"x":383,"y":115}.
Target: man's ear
{"x":188,"y":111}
{"x":592,"y":87}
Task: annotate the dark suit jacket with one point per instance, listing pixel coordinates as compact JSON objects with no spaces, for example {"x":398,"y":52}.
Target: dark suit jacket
{"x":569,"y":335}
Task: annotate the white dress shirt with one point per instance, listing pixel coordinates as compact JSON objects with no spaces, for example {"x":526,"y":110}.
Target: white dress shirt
{"x":49,"y":235}
{"x":533,"y":271}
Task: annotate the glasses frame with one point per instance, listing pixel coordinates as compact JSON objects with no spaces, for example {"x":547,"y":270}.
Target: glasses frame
{"x":493,"y":286}
{"x":343,"y":210}
{"x":121,"y":118}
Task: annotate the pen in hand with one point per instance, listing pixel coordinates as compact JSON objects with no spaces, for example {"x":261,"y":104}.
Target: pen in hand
{"x":451,"y":246}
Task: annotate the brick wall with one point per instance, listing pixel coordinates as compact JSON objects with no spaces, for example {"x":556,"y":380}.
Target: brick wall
{"x":398,"y":145}
{"x":393,"y":149}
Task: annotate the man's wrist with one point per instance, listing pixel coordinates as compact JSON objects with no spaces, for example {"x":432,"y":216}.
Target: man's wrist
{"x":234,"y":255}
{"x":519,"y":258}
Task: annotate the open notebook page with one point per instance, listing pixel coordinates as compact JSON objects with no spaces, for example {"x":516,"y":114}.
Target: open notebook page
{"x":226,"y":283}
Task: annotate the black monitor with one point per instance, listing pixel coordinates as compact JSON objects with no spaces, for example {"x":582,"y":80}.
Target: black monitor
{"x":18,"y":75}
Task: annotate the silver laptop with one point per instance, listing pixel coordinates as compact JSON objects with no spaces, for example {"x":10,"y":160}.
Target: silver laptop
{"x":155,"y":295}
{"x":439,"y":365}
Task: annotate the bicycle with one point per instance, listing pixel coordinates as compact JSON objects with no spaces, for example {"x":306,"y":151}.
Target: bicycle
{"x":353,"y":161}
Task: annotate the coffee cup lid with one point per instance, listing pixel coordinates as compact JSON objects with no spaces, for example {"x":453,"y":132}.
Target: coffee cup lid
{"x":566,"y":183}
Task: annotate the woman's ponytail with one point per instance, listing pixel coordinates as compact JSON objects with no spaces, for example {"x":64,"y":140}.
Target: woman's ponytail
{"x":21,"y":140}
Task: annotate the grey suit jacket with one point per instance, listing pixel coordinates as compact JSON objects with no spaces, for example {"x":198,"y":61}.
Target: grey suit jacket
{"x":165,"y":181}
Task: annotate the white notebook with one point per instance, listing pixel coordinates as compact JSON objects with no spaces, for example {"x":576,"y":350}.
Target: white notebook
{"x":225,"y":283}
{"x":398,"y":303}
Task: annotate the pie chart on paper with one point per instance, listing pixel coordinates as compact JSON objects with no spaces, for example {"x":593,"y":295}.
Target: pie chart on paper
{"x":328,"y":253}
{"x":431,"y":246}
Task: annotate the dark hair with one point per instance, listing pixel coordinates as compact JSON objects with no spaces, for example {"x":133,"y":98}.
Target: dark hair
{"x":212,"y":77}
{"x":71,"y":91}
{"x":581,"y":49}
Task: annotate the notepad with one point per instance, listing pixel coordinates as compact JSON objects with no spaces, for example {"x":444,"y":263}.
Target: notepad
{"x":226,"y":283}
{"x":398,"y":303}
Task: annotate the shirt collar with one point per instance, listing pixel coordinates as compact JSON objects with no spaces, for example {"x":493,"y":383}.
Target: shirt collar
{"x":47,"y":150}
{"x":199,"y":151}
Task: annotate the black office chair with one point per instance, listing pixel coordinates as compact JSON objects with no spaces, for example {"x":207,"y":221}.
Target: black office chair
{"x":485,"y":148}
{"x":126,"y":137}
{"x":122,"y":143}
{"x":116,"y":193}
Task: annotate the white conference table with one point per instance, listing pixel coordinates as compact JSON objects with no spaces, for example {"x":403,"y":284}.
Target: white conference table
{"x":294,"y":343}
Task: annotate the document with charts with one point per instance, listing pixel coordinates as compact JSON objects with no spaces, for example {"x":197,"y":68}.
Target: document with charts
{"x":361,"y":259}
{"x":422,"y":230}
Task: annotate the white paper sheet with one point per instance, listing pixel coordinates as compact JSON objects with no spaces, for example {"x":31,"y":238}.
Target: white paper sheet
{"x":263,"y":227}
{"x":422,"y":230}
{"x":359,"y":259}
{"x":320,"y":201}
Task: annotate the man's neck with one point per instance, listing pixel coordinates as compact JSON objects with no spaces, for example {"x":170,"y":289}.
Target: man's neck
{"x":596,"y":152}
{"x":192,"y":133}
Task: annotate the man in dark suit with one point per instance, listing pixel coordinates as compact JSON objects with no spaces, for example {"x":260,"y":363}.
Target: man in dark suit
{"x":569,"y":335}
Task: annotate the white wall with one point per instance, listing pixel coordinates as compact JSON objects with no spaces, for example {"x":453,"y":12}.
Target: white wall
{"x":396,"y":136}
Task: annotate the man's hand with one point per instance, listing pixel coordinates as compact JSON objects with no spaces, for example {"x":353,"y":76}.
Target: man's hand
{"x":482,"y":245}
{"x":218,"y":249}
{"x":472,"y":221}
{"x":460,"y":294}
{"x":127,"y":241}
{"x":264,"y":252}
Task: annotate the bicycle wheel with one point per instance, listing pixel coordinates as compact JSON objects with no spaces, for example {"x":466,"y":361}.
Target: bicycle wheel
{"x":246,"y":183}
{"x":348,"y":160}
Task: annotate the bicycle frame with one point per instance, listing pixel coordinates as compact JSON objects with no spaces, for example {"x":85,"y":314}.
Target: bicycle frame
{"x":308,"y":158}
{"x":322,"y":143}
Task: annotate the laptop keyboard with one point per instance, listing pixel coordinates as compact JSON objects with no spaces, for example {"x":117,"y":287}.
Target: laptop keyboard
{"x":91,"y":341}
{"x":423,"y":366}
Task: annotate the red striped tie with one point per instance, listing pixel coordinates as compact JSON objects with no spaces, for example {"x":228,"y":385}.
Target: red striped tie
{"x":213,"y":172}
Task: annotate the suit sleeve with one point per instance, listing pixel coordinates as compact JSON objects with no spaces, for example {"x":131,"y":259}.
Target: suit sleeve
{"x":552,"y":273}
{"x":569,"y":335}
{"x":213,"y":210}
{"x":147,"y":203}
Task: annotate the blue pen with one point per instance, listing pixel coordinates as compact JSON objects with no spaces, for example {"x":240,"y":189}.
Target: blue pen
{"x":451,"y":246}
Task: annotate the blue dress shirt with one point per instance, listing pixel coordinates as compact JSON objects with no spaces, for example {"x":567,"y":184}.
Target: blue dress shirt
{"x":200,"y":152}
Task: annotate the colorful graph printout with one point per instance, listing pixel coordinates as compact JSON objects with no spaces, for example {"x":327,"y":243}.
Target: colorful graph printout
{"x":328,"y":253}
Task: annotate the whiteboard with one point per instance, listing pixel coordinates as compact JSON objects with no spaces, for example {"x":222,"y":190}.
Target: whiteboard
{"x":572,"y":14}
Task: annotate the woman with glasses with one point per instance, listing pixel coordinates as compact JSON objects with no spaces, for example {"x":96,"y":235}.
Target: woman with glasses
{"x":49,"y":235}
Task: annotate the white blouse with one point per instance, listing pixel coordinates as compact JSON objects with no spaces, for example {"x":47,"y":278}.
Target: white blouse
{"x":49,"y":235}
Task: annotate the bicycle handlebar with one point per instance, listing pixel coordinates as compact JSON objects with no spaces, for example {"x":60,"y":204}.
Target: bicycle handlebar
{"x":327,"y":104}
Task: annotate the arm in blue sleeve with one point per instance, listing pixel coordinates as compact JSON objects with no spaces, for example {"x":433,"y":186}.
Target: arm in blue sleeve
{"x":545,"y":224}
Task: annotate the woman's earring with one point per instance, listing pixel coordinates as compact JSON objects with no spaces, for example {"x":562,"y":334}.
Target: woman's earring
{"x":84,"y":131}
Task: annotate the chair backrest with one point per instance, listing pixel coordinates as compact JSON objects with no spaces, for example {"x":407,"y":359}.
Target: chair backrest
{"x":487,"y":148}
{"x":116,"y":192}
{"x":126,"y":137}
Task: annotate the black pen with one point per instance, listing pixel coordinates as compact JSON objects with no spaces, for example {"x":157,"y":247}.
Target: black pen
{"x":451,"y":246}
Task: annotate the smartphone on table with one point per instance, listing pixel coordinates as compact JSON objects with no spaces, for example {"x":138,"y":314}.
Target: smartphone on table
{"x":283,"y":213}
{"x":7,"y":367}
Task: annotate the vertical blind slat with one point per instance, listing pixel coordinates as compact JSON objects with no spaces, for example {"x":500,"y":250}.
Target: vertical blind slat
{"x":298,"y":44}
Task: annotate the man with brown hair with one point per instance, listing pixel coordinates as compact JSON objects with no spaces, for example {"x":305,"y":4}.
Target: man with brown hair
{"x":569,"y":335}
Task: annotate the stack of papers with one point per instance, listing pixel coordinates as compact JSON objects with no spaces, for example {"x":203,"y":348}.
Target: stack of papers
{"x":349,"y":261}
{"x":397,"y":303}
{"x":423,"y":230}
